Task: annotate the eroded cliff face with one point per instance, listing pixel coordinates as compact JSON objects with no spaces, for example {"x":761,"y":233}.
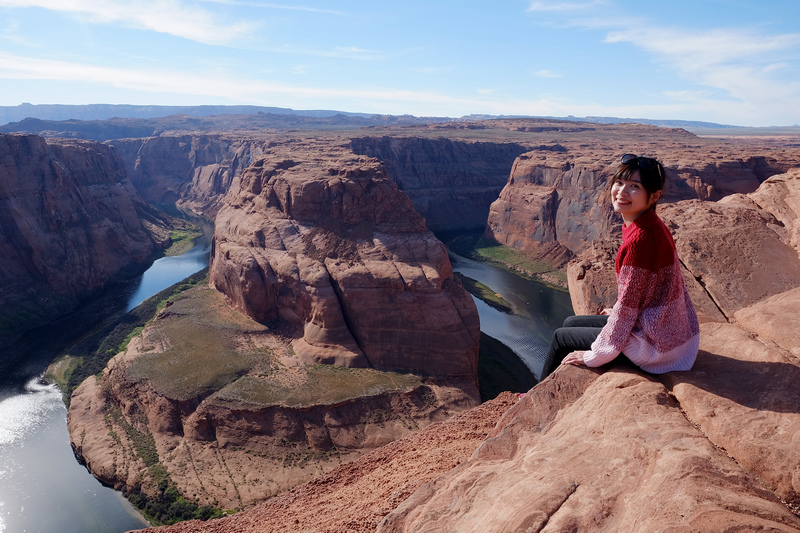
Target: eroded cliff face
{"x":70,"y":220}
{"x":347,"y":330}
{"x":450,"y":182}
{"x":322,"y":239}
{"x":553,"y":206}
{"x":218,"y":407}
{"x":192,"y":171}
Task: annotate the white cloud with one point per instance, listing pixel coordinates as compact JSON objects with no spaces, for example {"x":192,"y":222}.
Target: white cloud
{"x":545,"y":73}
{"x":164,"y":16}
{"x":692,"y":50}
{"x":739,"y":63}
{"x":217,"y":86}
{"x":565,"y":6}
{"x":433,"y":70}
{"x":275,"y":6}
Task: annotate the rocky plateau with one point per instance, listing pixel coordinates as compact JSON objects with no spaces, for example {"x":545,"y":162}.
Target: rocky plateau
{"x":332,"y":325}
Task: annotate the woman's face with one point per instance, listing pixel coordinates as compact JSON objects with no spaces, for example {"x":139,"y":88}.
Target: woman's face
{"x":630,"y":198}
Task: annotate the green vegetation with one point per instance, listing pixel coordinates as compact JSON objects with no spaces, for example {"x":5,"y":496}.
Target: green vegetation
{"x":317,"y":385}
{"x":89,"y":356}
{"x":485,"y":293}
{"x":500,"y":369}
{"x":181,"y":241}
{"x":169,"y":507}
{"x":476,"y":246}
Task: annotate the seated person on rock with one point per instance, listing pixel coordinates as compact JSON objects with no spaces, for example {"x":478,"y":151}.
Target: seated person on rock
{"x":653,"y":323}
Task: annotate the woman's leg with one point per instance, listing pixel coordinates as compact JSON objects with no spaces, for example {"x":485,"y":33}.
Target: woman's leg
{"x":578,"y":333}
{"x":586,"y":321}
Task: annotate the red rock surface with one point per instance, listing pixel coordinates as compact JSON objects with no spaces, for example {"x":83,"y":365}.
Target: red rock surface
{"x":70,"y":222}
{"x":355,"y":497}
{"x":552,"y":208}
{"x":323,"y":240}
{"x":589,"y":450}
{"x":221,"y":405}
{"x":610,"y":449}
{"x":193,"y":171}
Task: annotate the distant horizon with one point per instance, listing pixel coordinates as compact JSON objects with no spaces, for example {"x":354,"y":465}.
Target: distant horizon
{"x":718,"y":61}
{"x":17,"y":113}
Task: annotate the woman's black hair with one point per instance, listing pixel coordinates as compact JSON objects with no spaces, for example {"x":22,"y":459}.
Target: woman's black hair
{"x":651,"y":173}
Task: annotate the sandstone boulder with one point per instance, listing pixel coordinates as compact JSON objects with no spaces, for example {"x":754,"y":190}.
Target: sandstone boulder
{"x":738,"y":251}
{"x":589,"y":450}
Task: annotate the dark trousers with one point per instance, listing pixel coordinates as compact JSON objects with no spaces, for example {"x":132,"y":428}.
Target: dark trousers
{"x":578,"y":333}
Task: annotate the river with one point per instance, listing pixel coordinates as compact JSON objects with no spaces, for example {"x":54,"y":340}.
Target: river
{"x":538,"y":310}
{"x":42,"y":487}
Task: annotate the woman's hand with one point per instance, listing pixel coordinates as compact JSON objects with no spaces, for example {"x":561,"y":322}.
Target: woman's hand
{"x":606,"y":311}
{"x":573,"y":358}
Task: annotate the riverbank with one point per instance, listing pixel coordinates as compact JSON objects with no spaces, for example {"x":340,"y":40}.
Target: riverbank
{"x":474,"y":245}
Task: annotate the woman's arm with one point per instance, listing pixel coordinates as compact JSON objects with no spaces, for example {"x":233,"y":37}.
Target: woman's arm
{"x":635,"y":285}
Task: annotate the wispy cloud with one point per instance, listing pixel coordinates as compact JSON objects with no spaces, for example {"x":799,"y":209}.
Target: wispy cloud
{"x":692,"y":50}
{"x":164,"y":16}
{"x":433,"y":70}
{"x":565,"y":6}
{"x":267,"y":5}
{"x":545,"y":73}
{"x":742,"y":64}
{"x":230,"y":87}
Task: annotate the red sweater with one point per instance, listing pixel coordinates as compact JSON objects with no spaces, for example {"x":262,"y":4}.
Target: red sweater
{"x":653,"y":322}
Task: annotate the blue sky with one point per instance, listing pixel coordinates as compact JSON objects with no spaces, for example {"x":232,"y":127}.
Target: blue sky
{"x":727,"y":61}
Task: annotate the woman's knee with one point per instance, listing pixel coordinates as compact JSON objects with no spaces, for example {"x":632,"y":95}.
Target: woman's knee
{"x":583,"y":321}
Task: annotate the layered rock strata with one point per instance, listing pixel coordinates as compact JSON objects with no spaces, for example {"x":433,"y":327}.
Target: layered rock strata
{"x":70,"y":220}
{"x":192,"y":171}
{"x":450,"y":182}
{"x":325,"y":242}
{"x":331,"y":264}
{"x":218,"y":407}
{"x":553,"y":206}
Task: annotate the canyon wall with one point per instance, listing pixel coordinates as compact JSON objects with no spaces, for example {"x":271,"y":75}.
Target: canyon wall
{"x":192,"y":171}
{"x":70,"y":220}
{"x":333,"y":324}
{"x":552,"y":207}
{"x":450,"y":182}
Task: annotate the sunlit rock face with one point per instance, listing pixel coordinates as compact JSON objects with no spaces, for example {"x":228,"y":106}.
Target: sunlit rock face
{"x":554,"y":207}
{"x":324,"y":241}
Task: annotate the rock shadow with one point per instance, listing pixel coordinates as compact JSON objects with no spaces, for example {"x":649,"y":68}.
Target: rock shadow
{"x":760,"y":385}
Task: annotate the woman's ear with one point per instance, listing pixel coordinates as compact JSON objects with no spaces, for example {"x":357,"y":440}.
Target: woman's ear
{"x":654,"y":198}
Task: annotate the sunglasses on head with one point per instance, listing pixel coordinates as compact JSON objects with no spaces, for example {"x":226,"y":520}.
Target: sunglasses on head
{"x":645,"y":163}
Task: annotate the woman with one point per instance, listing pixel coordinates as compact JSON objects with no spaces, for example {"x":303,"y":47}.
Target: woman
{"x":653,"y":322}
